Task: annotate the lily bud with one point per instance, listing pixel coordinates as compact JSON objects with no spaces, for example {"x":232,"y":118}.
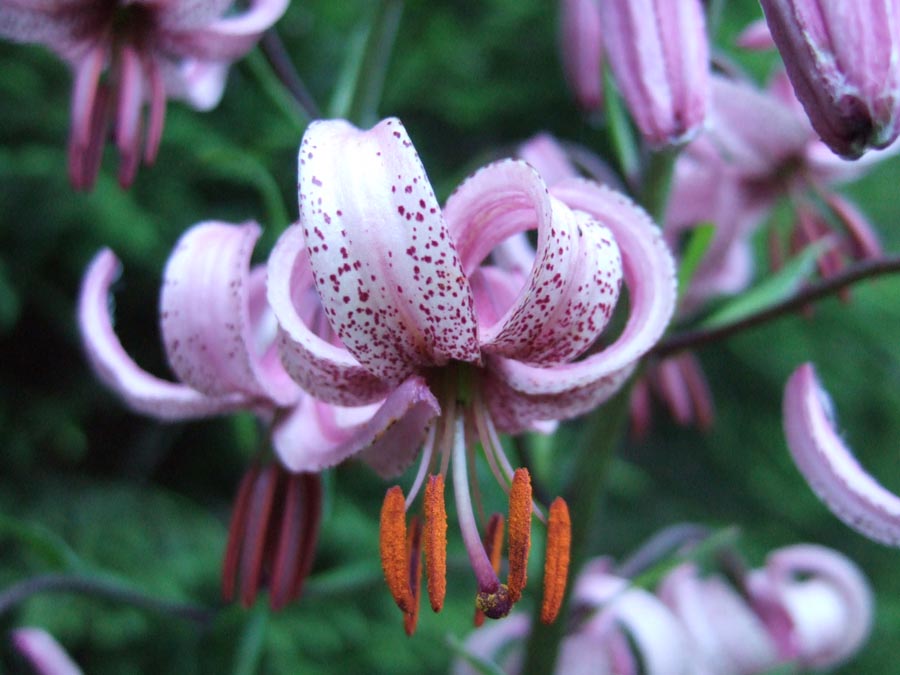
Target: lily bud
{"x":582,"y":50}
{"x":843,"y":61}
{"x":659,"y":55}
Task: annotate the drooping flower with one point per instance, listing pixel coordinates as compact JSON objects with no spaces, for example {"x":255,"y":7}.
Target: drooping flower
{"x":808,"y":605}
{"x":219,"y":335}
{"x":128,"y":52}
{"x":843,"y":59}
{"x":43,"y":652}
{"x":829,"y":467}
{"x":407,"y":292}
{"x":659,"y":54}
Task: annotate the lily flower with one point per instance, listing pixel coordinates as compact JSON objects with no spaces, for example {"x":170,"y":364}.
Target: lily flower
{"x":147,"y":50}
{"x":828,"y":465}
{"x":220,"y":339}
{"x":808,"y":606}
{"x":581,"y":41}
{"x":412,"y":299}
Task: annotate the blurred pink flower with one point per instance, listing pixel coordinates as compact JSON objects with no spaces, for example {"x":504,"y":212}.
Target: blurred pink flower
{"x":581,"y":38}
{"x":415,"y":312}
{"x":809,"y":606}
{"x":148,"y":50}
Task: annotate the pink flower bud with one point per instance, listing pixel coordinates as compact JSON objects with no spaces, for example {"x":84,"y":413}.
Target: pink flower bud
{"x":843,"y":60}
{"x":659,"y":54}
{"x":582,"y":50}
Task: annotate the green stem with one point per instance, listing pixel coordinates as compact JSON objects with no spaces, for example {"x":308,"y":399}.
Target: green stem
{"x":369,"y":83}
{"x":620,"y":130}
{"x":657,"y":182}
{"x":68,"y":583}
{"x":593,"y":454}
{"x":273,"y":88}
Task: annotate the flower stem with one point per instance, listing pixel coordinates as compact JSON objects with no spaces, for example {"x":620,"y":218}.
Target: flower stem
{"x":369,"y":83}
{"x":272,"y":87}
{"x":601,"y":432}
{"x":657,"y":182}
{"x":277,"y":56}
{"x":697,"y":338}
{"x":67,"y":583}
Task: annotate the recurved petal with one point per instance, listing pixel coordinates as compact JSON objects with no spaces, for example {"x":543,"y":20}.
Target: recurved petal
{"x":650,"y":276}
{"x":388,"y":273}
{"x":224,"y":39}
{"x":198,"y":83}
{"x":140,"y":390}
{"x":574,"y":280}
{"x":320,"y":366}
{"x":43,"y":652}
{"x":829,"y":467}
{"x":314,"y":435}
{"x":828,"y":599}
{"x":582,"y":50}
{"x":215,"y":323}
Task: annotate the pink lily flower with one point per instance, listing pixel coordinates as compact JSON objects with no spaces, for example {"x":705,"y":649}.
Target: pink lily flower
{"x":844,"y":62}
{"x":43,"y":652}
{"x":412,"y":303}
{"x":220,"y":339}
{"x":659,"y":54}
{"x":148,"y":50}
{"x":809,"y":606}
{"x":829,"y":467}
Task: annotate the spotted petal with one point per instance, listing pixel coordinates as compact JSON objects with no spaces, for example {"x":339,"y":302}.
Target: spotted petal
{"x":833,"y":473}
{"x":574,"y":281}
{"x":325,"y":369}
{"x":387,"y":272}
{"x":141,"y":391}
{"x":214,"y":316}
{"x":650,"y":276}
{"x":386,"y":435}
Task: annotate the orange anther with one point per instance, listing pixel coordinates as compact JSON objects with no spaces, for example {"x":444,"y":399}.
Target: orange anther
{"x":519,"y":532}
{"x":436,"y":541}
{"x":414,"y":549}
{"x":556,"y":562}
{"x":394,"y":556}
{"x":493,"y":544}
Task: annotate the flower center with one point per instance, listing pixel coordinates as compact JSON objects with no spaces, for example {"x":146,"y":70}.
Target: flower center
{"x":464,"y":424}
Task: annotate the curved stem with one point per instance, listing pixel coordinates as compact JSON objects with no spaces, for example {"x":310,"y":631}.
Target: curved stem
{"x":66,"y":583}
{"x":278,"y":58}
{"x":379,"y":45}
{"x":702,"y":336}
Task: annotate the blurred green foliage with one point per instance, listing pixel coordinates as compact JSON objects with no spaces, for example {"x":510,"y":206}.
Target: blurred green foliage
{"x":147,"y":504}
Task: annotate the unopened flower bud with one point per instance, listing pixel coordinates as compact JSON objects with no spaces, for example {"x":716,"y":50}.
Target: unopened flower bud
{"x":659,"y":54}
{"x":582,"y":50}
{"x":843,"y":60}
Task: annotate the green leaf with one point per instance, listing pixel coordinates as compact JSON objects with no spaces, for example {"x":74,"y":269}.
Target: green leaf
{"x":771,"y":291}
{"x":698,"y":244}
{"x":703,"y":554}
{"x":480,"y":664}
{"x":43,"y":542}
{"x":620,"y":130}
{"x":252,"y":641}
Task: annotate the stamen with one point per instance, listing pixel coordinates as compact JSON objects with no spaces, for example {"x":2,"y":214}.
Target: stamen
{"x":501,"y":457}
{"x":436,"y":541}
{"x":394,"y":559}
{"x":256,"y":534}
{"x":236,"y":531}
{"x":414,"y":548}
{"x":493,"y":544}
{"x":519,"y":532}
{"x":556,"y":561}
